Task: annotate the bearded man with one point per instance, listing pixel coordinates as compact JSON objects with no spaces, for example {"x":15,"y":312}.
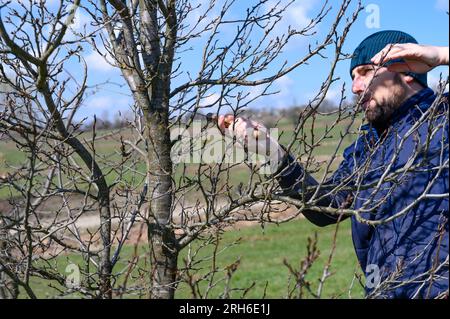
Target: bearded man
{"x":396,"y":174}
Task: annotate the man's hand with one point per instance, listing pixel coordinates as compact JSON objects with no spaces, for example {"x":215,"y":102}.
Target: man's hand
{"x":418,"y":58}
{"x":250,"y":135}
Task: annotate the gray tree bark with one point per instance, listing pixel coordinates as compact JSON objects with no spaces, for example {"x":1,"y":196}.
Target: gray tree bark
{"x":150,"y":85}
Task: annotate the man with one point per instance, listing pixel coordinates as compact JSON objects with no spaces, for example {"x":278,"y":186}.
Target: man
{"x":404,"y":250}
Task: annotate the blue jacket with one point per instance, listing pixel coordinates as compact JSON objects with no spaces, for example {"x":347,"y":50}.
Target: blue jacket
{"x":395,"y":254}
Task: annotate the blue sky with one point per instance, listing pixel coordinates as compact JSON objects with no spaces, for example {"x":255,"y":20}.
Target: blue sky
{"x":427,"y":21}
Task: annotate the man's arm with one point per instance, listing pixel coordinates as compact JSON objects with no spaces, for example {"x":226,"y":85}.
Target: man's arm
{"x":417,"y":58}
{"x":290,"y":173}
{"x":291,"y":176}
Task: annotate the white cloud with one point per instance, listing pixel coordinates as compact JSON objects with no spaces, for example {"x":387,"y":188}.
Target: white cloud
{"x":334,"y":95}
{"x":441,"y":5}
{"x":296,"y":15}
{"x":255,"y":91}
{"x":285,"y":86}
{"x":80,"y":21}
{"x":97,"y":62}
{"x":285,"y":83}
{"x":210,"y":100}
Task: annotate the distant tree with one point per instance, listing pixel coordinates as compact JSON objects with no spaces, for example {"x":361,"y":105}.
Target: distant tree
{"x":327,"y":106}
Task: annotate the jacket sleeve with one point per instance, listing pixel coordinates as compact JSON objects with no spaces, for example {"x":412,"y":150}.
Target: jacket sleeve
{"x":291,"y":176}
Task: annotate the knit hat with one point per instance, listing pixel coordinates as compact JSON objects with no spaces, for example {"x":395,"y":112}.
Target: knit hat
{"x":375,"y":43}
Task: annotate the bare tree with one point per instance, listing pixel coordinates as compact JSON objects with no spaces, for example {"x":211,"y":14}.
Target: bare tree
{"x":39,"y":94}
{"x":144,"y":38}
{"x":182,"y":201}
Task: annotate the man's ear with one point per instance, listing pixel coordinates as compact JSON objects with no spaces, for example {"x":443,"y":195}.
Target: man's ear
{"x":408,"y":78}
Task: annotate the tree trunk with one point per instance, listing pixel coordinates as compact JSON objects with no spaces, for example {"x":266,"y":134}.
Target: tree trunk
{"x":161,"y":238}
{"x":105,"y":290}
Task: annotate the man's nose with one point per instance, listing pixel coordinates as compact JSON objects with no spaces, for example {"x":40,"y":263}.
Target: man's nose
{"x":358,"y":86}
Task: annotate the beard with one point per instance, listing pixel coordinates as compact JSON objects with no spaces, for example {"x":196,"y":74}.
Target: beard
{"x":380,"y":114}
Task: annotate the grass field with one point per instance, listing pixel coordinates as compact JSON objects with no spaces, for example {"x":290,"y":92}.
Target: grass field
{"x":261,"y":253}
{"x":108,"y":147}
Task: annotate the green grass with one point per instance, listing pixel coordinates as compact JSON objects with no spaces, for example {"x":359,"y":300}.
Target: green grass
{"x":261,"y":253}
{"x":108,"y":154}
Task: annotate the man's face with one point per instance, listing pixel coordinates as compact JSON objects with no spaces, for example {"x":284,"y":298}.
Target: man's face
{"x":380,"y":93}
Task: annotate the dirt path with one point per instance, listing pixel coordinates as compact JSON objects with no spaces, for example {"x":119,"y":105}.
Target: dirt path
{"x":90,"y":221}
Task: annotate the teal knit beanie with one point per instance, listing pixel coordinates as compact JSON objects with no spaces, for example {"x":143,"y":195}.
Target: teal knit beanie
{"x":375,"y":43}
